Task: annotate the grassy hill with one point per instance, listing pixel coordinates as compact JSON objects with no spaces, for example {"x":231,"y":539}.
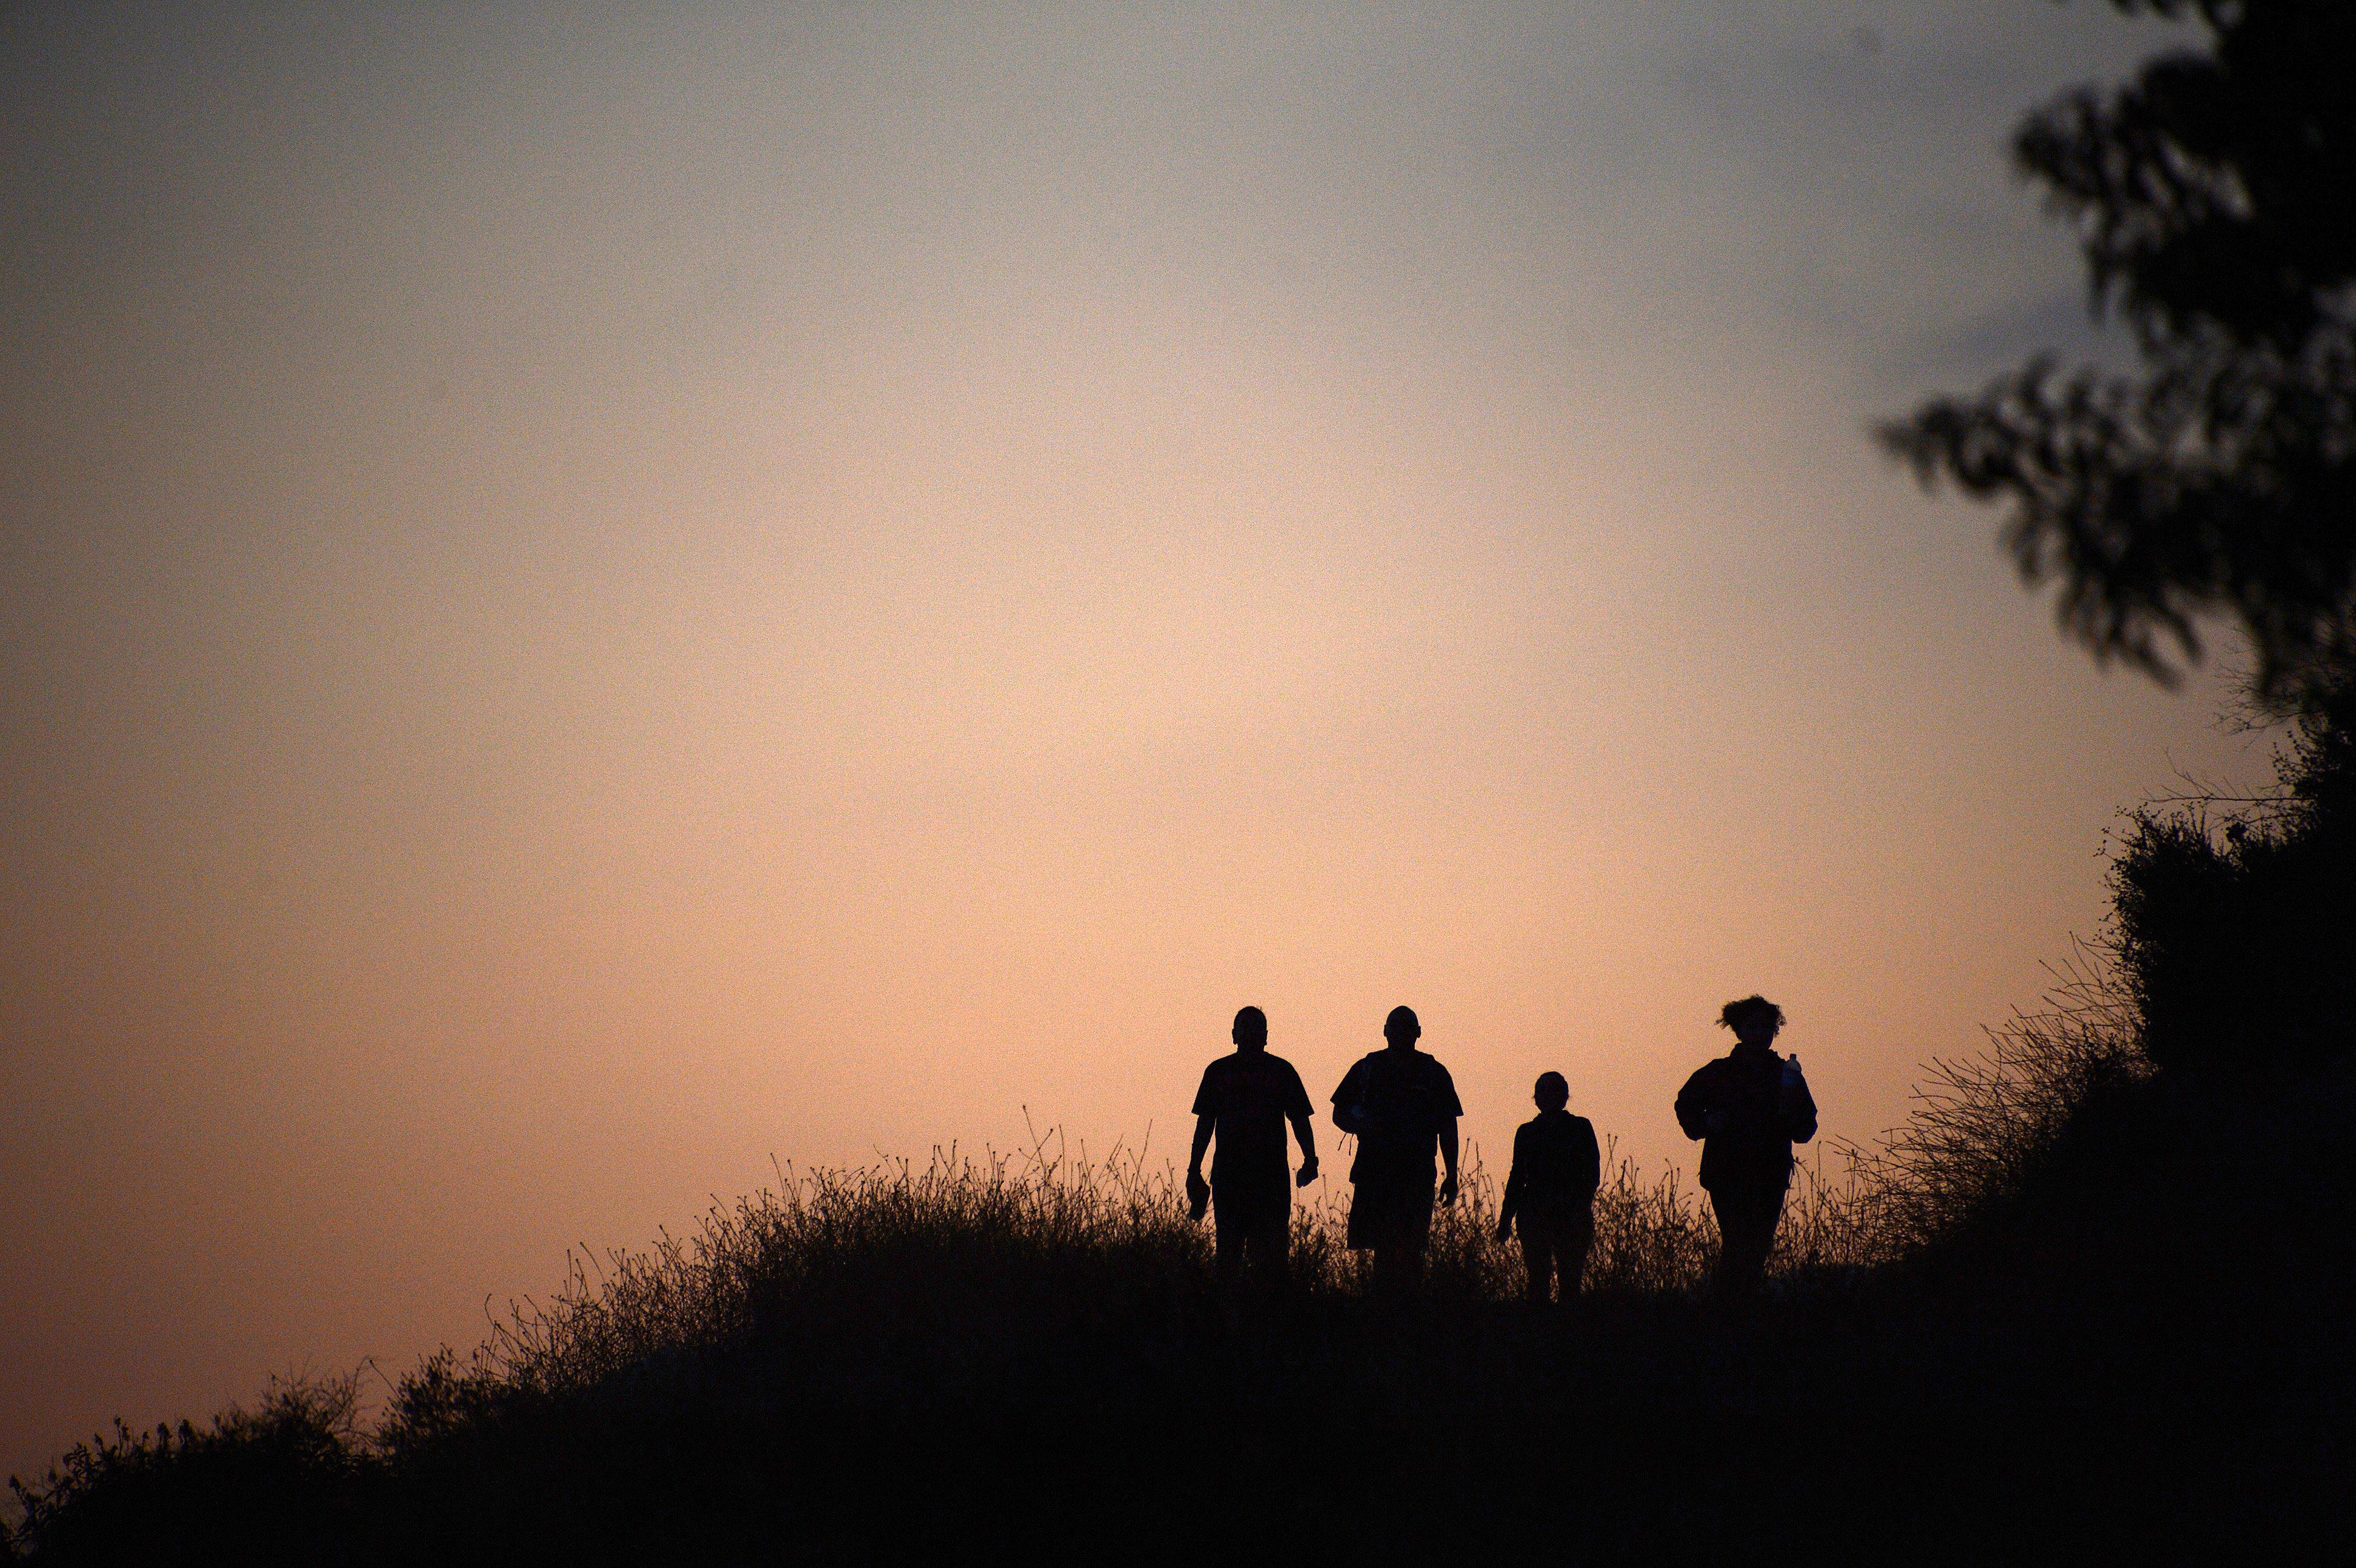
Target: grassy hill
{"x":2095,"y":1299}
{"x":2147,"y":1343}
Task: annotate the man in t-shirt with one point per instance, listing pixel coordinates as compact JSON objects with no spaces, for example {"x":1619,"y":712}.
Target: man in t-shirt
{"x":1402,"y":1106}
{"x":1245,"y":1101}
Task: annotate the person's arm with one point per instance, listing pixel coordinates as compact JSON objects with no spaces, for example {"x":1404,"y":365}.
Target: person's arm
{"x":1449,"y":1108}
{"x":1590,"y":1161}
{"x":1695,"y":1109}
{"x":1299,"y":1112}
{"x":1308,"y":1148}
{"x":1513,"y":1190}
{"x":1803,"y":1113}
{"x":1345,"y":1104}
{"x":1197,"y":1190}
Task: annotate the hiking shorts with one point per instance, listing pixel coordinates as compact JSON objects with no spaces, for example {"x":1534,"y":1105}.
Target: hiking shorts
{"x":1252,"y":1207}
{"x":1392,"y":1208}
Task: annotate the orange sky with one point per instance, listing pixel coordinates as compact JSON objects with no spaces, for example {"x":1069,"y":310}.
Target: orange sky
{"x":590,"y":604}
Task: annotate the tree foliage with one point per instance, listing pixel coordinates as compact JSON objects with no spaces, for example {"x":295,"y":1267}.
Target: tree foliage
{"x":2215,"y":200}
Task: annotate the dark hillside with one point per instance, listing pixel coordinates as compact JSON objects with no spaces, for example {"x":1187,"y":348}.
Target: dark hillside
{"x":888,"y":1368}
{"x":2093,"y":1299}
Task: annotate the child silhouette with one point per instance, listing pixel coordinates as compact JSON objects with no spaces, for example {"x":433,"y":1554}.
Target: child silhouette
{"x":1551,"y":1192}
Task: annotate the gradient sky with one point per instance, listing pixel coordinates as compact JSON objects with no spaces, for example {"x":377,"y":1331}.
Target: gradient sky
{"x":588,"y":600}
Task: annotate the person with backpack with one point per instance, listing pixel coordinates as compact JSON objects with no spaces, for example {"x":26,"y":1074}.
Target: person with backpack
{"x":1551,"y":1192}
{"x":1750,"y":1106}
{"x":1401,"y":1105}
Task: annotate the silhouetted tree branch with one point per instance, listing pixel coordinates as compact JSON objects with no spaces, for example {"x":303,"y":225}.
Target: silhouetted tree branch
{"x":2216,"y":199}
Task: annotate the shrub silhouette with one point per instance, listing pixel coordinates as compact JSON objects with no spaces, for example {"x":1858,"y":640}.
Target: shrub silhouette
{"x":2236,"y":934}
{"x":795,"y":1331}
{"x":284,"y":1483}
{"x":1985,"y":1131}
{"x":1011,"y":1347}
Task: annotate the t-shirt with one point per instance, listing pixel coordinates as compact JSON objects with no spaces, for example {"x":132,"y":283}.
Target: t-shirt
{"x":1397,"y":1100}
{"x":1556,"y":1167}
{"x":1250,"y":1094}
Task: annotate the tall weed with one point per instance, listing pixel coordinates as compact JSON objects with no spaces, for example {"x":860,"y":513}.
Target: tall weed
{"x":1984,"y":1128}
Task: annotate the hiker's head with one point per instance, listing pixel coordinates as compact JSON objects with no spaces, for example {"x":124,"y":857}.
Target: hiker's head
{"x":1754,"y":1020}
{"x":1553,"y":1092}
{"x":1401,"y":1028}
{"x":1250,"y":1032}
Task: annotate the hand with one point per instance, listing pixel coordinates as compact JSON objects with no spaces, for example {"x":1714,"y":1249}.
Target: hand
{"x":1198,"y":1194}
{"x":1447,"y":1188}
{"x":1308,"y":1172}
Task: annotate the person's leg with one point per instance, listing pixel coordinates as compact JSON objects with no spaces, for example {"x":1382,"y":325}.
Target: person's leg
{"x":1570,"y":1258}
{"x":1254,"y":1218}
{"x":1384,"y":1218}
{"x":1271,"y":1243}
{"x":1746,"y":1228}
{"x":1359,"y":1231}
{"x":1764,"y":1222}
{"x":1537,"y":1258}
{"x":1727,"y":1208}
{"x":1415,"y":1228}
{"x":1739,"y":1253}
{"x":1229,"y":1230}
{"x":1280,"y":1245}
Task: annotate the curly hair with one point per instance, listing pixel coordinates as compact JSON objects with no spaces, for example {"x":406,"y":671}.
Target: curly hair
{"x":1734,"y":1014}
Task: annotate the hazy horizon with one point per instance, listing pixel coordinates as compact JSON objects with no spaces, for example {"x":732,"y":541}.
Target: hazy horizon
{"x":591,"y":603}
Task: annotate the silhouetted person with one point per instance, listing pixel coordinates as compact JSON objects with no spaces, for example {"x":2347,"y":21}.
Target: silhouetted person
{"x":1551,"y":1192}
{"x":1751,"y":1106}
{"x":1245,"y":1101}
{"x":1403,"y":1107}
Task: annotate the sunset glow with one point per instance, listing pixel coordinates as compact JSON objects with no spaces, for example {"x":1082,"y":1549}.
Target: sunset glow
{"x":593,"y":604}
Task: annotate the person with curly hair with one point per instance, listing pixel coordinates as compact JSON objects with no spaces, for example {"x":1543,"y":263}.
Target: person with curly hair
{"x":1749,"y":1107}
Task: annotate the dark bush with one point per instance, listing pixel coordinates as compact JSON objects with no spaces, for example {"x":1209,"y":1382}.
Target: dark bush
{"x":1986,"y":1132}
{"x":281,"y":1484}
{"x":2236,"y":932}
